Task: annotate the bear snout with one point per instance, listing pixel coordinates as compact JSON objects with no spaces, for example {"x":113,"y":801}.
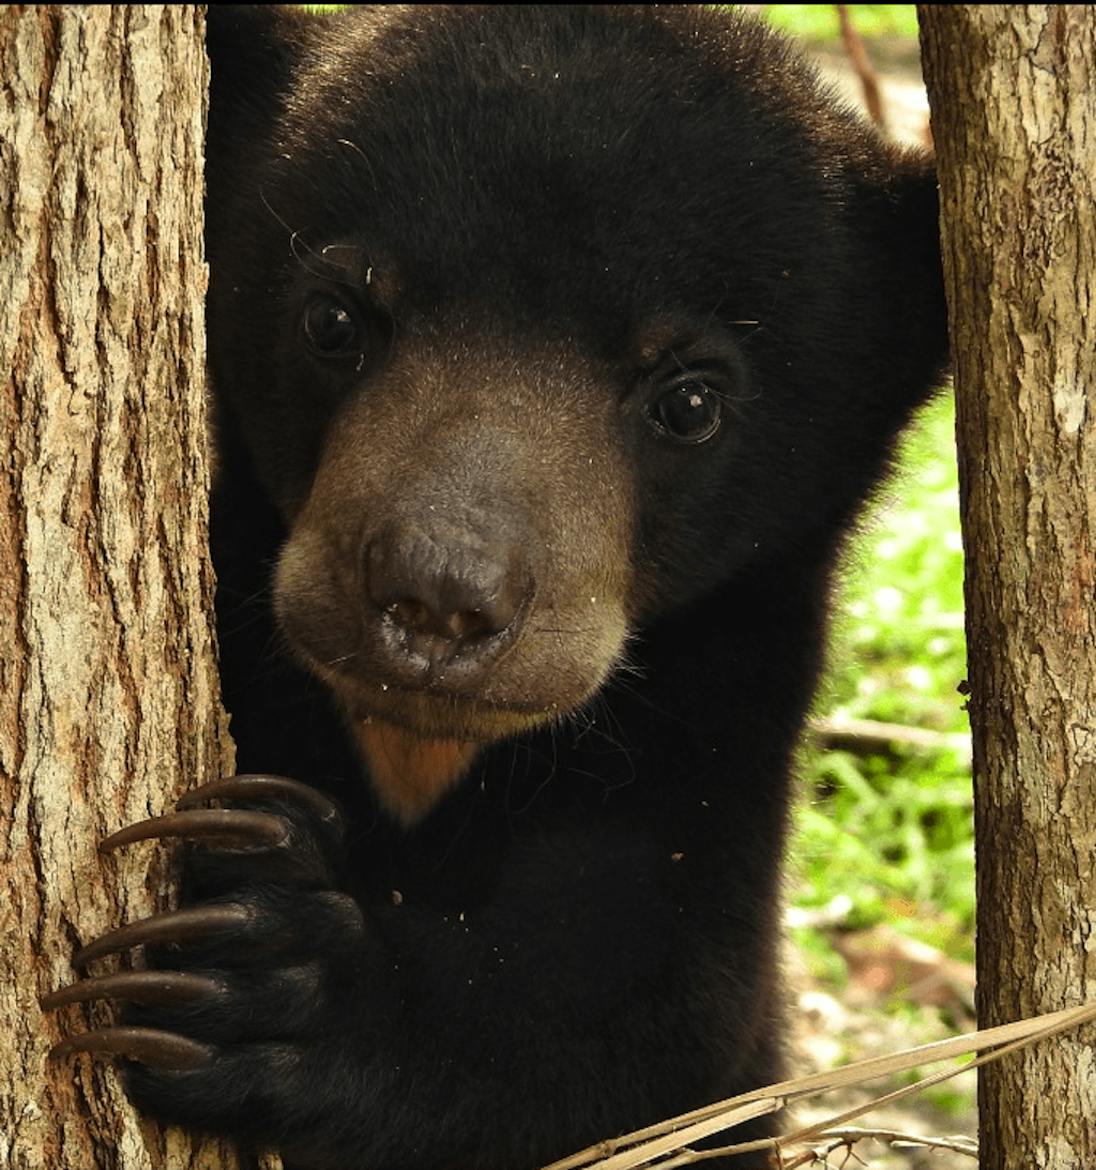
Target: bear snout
{"x":443,"y":602}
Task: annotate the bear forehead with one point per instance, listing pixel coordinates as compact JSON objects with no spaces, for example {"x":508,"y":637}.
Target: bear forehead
{"x":572,"y":129}
{"x":524,"y":161}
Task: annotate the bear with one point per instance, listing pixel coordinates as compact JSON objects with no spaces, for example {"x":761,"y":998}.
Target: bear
{"x":553,"y":352}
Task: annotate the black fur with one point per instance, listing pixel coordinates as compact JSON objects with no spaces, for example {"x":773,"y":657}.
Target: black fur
{"x":580,"y":938}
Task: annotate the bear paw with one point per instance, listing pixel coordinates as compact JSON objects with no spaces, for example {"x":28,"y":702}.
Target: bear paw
{"x":246,"y":991}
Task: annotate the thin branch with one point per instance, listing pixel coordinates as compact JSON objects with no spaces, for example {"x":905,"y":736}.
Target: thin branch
{"x":847,"y":1138}
{"x":861,"y":62}
{"x":867,"y":734}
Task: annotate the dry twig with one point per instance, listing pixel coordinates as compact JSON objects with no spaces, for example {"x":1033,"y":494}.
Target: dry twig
{"x":845,"y":1139}
{"x":858,"y":55}
{"x":669,"y":1144}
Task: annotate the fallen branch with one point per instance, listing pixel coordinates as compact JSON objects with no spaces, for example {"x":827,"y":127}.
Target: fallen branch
{"x":669,"y":1143}
{"x":865,"y":734}
{"x":845,"y":1139}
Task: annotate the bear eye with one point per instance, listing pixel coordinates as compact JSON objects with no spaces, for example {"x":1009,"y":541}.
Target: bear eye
{"x":330,"y":328}
{"x":689,"y":412}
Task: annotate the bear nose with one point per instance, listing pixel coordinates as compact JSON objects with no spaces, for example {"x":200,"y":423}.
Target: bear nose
{"x":453,"y":590}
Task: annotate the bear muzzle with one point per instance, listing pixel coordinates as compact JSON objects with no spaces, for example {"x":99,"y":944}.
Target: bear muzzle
{"x":443,"y":605}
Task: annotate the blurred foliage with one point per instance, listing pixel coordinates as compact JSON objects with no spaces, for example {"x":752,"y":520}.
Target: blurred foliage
{"x":818,"y":22}
{"x":893,"y":832}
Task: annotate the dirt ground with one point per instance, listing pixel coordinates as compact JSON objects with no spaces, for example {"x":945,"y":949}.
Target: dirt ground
{"x":869,"y":1018}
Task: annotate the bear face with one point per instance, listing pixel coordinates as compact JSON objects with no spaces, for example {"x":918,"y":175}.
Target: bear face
{"x":470,"y":579}
{"x":552,"y":351}
{"x":545,"y":324}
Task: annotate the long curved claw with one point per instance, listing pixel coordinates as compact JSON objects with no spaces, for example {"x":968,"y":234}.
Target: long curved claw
{"x":257,"y":787}
{"x":148,"y":1045}
{"x":205,"y":824}
{"x":172,"y":927}
{"x":159,"y":987}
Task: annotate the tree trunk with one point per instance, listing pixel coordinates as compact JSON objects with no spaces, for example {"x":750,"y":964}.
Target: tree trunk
{"x":109,"y":700}
{"x":1013,"y":94}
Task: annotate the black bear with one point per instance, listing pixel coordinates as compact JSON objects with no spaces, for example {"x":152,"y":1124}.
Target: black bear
{"x":553,"y":349}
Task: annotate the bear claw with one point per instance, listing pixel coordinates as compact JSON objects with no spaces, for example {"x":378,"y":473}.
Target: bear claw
{"x":157,"y":987}
{"x":172,"y":927}
{"x":150,"y":1046}
{"x":249,"y":828}
{"x":259,"y":787}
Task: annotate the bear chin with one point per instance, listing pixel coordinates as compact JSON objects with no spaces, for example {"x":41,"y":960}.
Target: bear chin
{"x":410,"y":772}
{"x":416,"y":745}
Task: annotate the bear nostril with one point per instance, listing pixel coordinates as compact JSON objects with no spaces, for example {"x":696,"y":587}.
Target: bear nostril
{"x":470,"y":623}
{"x":459,"y":626}
{"x":442,"y":592}
{"x":410,"y":614}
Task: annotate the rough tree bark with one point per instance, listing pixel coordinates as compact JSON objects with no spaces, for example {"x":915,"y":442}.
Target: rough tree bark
{"x":109,"y":700}
{"x":1013,"y":94}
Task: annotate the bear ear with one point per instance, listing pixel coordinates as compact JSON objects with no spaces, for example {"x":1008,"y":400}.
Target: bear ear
{"x":896,"y":212}
{"x":911,"y":193}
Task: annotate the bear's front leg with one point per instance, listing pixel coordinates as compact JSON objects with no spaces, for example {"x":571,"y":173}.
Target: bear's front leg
{"x":257,"y":999}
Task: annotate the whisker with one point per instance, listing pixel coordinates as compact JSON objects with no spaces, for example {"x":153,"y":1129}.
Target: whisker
{"x":361,"y":153}
{"x":334,"y":272}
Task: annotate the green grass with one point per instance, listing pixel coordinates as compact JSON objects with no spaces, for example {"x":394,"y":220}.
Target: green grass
{"x":892,"y":832}
{"x":819,"y":22}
